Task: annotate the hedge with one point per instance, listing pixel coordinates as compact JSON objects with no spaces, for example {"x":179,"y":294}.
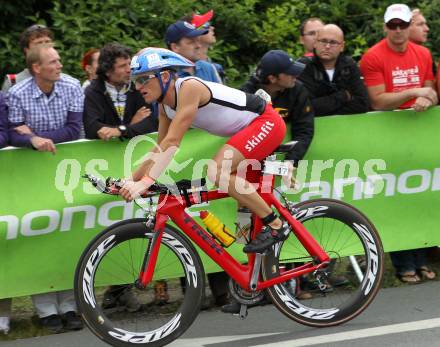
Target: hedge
{"x":245,"y":29}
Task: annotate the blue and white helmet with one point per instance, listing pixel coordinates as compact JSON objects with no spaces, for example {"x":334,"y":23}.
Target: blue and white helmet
{"x":154,"y":59}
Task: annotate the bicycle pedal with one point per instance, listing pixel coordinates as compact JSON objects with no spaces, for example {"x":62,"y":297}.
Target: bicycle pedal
{"x":243,"y":311}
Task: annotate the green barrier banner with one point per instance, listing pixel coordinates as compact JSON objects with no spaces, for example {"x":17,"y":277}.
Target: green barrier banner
{"x":386,"y":164}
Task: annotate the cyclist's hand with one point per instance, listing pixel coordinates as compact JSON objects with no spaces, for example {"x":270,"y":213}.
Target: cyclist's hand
{"x":132,"y":190}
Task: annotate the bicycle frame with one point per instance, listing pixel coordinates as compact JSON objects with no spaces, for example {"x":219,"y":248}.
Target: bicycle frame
{"x":174,"y":208}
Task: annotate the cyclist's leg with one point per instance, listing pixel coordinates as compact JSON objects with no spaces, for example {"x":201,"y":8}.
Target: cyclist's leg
{"x":255,"y":142}
{"x":225,"y":177}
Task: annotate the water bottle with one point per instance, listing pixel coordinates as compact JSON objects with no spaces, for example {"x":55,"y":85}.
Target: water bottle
{"x":217,"y":228}
{"x":244,"y":223}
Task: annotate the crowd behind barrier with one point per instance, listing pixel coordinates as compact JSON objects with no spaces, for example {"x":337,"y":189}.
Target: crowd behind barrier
{"x":41,"y":107}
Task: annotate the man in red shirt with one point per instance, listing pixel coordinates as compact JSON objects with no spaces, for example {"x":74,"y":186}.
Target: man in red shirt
{"x":397,"y":72}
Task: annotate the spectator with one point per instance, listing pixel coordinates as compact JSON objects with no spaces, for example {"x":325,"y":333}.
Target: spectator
{"x":5,"y":312}
{"x":182,"y":37}
{"x":3,"y":124}
{"x":308,"y":30}
{"x":333,"y":78}
{"x":202,"y":21}
{"x":113,"y":108}
{"x":277,"y":75}
{"x":418,"y":33}
{"x":89,"y":64}
{"x":207,"y":41}
{"x":397,"y":72}
{"x":31,"y":125}
{"x":34,"y":35}
{"x":5,"y":304}
{"x":418,"y":29}
{"x":218,"y":281}
{"x":43,"y":110}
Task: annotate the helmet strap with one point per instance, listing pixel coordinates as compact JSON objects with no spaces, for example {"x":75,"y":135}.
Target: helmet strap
{"x":164,"y":87}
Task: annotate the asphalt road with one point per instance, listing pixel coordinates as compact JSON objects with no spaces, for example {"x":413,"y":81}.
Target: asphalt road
{"x":404,"y":316}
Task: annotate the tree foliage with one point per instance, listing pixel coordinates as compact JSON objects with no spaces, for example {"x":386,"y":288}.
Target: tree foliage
{"x":245,"y":29}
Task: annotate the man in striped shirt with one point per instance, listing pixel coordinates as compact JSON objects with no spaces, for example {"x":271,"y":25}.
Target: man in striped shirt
{"x":44,"y":110}
{"x":47,"y":108}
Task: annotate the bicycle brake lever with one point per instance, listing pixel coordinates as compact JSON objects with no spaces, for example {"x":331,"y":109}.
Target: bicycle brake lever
{"x":100,"y":185}
{"x":96,"y":182}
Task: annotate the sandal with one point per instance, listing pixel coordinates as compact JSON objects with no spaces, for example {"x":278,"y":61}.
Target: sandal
{"x":409,"y":278}
{"x":426,"y":273}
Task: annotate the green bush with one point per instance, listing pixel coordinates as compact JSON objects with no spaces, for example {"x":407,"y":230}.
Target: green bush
{"x":246,"y":29}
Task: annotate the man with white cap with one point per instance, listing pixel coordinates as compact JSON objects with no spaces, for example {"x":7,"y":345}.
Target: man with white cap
{"x":397,"y":72}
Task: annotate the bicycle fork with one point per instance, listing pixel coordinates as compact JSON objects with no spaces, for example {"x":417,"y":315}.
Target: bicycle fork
{"x":151,"y":254}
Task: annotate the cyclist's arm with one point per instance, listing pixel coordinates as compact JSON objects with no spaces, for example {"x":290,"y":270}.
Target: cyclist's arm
{"x":192,"y":94}
{"x":164,"y":124}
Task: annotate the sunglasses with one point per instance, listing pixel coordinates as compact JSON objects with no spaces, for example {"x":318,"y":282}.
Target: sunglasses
{"x":142,"y":79}
{"x":394,"y":25}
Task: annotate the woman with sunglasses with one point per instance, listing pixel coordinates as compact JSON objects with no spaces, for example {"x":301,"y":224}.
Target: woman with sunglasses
{"x":254,"y":130}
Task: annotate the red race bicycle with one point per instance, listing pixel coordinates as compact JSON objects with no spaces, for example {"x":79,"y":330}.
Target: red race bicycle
{"x":116,"y":277}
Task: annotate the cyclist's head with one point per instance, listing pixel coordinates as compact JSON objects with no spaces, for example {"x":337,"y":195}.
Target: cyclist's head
{"x":151,"y":63}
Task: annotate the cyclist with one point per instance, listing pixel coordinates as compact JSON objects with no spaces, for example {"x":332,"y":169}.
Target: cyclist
{"x":254,"y":129}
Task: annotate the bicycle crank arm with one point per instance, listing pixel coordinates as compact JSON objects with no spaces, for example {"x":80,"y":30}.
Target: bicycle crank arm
{"x":256,"y":271}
